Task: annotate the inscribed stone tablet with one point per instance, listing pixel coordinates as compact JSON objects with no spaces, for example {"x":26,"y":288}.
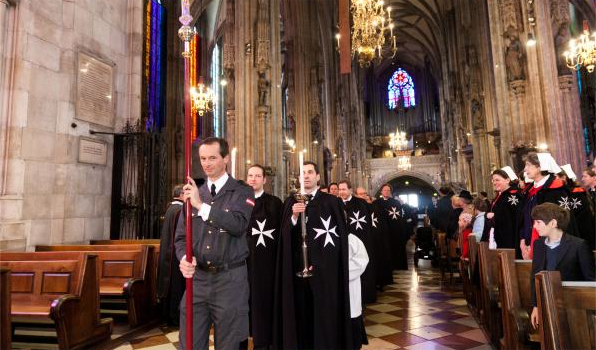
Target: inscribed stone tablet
{"x":93,"y":151}
{"x":95,"y":91}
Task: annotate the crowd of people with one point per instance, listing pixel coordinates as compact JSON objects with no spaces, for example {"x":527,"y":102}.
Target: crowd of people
{"x":546,"y":215}
{"x":296,"y":274}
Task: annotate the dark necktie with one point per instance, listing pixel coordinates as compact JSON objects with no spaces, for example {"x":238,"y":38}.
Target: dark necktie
{"x":213,"y":190}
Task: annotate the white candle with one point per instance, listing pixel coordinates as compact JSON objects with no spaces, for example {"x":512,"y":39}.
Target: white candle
{"x":233,"y":164}
{"x":301,"y":165}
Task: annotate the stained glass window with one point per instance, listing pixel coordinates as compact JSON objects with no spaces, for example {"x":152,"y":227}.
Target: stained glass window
{"x":154,"y":65}
{"x":216,"y":71}
{"x":401,"y":88}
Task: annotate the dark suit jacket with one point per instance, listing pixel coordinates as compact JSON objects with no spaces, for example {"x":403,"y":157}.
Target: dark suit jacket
{"x":222,"y":238}
{"x":576,"y":261}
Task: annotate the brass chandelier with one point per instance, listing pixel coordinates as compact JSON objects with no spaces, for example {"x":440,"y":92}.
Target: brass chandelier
{"x":371,"y":22}
{"x":201,"y":98}
{"x":398,"y":140}
{"x":582,"y":51}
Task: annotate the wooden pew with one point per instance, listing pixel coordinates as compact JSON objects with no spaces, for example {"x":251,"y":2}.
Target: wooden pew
{"x":153,"y":242}
{"x":475,"y":301}
{"x":567,"y":312}
{"x":126,"y":278}
{"x":5,"y":324}
{"x":489,"y":291}
{"x":123,"y":241}
{"x":56,"y":299}
{"x":516,"y":302}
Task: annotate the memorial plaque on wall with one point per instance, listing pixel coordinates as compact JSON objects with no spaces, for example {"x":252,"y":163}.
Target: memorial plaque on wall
{"x":95,"y":91}
{"x":93,"y":151}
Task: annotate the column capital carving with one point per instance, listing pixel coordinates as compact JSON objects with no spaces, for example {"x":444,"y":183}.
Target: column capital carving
{"x":517,"y":87}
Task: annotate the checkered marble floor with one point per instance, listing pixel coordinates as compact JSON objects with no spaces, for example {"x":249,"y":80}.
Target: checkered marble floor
{"x":417,"y":312}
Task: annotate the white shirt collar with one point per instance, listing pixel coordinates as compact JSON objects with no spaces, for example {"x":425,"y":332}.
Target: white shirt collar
{"x":219,"y":183}
{"x":541,"y":182}
{"x":349,"y":199}
{"x":177,"y":201}
{"x":314,"y":192}
{"x":259,"y":194}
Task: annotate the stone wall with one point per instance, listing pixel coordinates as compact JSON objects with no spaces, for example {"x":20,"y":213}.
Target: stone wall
{"x":46,"y":195}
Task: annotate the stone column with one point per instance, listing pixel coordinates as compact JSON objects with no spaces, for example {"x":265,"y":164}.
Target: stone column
{"x":571,"y":149}
{"x":5,"y":88}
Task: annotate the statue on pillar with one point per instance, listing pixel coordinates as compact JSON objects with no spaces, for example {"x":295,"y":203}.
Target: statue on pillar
{"x":263,"y":85}
{"x":328,"y":164}
{"x":561,"y":42}
{"x":515,"y":58}
{"x":230,"y":90}
{"x":315,"y":128}
{"x":477,"y":115}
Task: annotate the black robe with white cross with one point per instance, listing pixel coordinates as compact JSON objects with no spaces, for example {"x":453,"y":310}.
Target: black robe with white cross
{"x":505,"y":208}
{"x":359,"y":224}
{"x":313,"y":312}
{"x":397,"y":232}
{"x":580,"y":206}
{"x":380,"y":235}
{"x":262,"y":238}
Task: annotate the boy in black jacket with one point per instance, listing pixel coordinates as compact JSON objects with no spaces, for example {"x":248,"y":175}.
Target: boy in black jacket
{"x":557,"y":251}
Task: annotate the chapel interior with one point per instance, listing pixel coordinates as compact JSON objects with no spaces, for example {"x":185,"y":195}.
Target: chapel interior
{"x":92,"y":105}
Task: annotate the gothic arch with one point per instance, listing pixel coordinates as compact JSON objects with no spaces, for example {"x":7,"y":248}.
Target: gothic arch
{"x":376,"y":185}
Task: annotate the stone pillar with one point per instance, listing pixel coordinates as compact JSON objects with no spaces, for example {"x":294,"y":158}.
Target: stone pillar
{"x":5,"y":64}
{"x":571,"y":149}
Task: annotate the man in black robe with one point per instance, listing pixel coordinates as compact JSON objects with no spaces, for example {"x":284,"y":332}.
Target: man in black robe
{"x":170,"y":283}
{"x":262,"y":236}
{"x":395,"y":227}
{"x":313,"y":312}
{"x":358,"y":217}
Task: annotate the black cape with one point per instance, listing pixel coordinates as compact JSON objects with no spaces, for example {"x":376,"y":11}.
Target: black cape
{"x":262,"y":238}
{"x":397,"y":232}
{"x":504,"y":207}
{"x":380,"y":236}
{"x":314,"y":312}
{"x":358,"y":217}
{"x":170,"y":282}
{"x":580,"y":206}
{"x":553,"y":191}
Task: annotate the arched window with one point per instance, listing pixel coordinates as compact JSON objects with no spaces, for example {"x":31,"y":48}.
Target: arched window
{"x":401,"y":87}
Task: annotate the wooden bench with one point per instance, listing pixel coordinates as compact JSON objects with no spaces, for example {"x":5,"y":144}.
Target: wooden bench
{"x":5,"y":324}
{"x":516,"y":302}
{"x":152,"y":242}
{"x":123,"y":241}
{"x":56,"y":300}
{"x":489,"y":291}
{"x":567,"y":312}
{"x":474,"y":292}
{"x":125,"y":278}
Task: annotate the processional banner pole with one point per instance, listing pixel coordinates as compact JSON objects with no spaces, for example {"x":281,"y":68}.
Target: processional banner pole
{"x":186,"y":34}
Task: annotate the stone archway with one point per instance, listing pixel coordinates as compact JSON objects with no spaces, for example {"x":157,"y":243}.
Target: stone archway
{"x":387,"y":177}
{"x":425,"y":168}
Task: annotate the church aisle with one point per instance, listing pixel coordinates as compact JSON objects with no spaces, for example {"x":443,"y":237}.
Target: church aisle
{"x":420,"y":312}
{"x":417,"y":312}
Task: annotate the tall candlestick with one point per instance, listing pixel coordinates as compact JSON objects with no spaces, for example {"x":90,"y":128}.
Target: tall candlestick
{"x":301,"y":165}
{"x":233,"y":163}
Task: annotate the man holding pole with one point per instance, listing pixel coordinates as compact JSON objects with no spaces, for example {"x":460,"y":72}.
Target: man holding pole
{"x":221,"y":210}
